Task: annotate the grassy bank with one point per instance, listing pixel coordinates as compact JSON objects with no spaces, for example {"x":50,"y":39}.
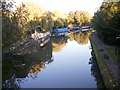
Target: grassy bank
{"x":105,"y":72}
{"x":115,"y":55}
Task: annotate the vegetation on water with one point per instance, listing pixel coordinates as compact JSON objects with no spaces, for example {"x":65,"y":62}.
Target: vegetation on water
{"x":107,"y":22}
{"x":29,"y":15}
{"x":108,"y":79}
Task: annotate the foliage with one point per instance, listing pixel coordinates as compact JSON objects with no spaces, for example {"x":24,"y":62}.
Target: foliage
{"x":79,"y":18}
{"x":106,"y":22}
{"x":29,"y":15}
{"x":10,"y":31}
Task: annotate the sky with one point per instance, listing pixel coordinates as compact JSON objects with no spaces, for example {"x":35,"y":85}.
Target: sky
{"x":67,"y":5}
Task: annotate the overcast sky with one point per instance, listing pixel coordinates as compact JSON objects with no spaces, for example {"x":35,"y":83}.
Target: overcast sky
{"x":67,"y":5}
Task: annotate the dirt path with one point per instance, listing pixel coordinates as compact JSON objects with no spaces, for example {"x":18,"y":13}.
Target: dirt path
{"x":113,"y":67}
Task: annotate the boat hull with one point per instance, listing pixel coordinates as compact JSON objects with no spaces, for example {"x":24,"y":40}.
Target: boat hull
{"x":59,"y":34}
{"x":61,"y":30}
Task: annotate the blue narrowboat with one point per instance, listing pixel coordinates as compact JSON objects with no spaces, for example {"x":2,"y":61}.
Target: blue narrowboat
{"x":59,"y":34}
{"x":60,"y":30}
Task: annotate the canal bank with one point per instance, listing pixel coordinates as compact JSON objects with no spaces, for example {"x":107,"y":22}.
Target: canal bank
{"x":108,"y":69}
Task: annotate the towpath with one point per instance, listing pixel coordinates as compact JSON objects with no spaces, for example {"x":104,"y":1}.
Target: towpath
{"x":113,"y":67}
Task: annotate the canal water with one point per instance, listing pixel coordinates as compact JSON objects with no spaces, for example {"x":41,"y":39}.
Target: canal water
{"x":64,"y":62}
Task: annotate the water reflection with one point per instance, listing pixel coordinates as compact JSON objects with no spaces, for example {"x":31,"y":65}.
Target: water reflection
{"x":29,"y":61}
{"x":81,"y":38}
{"x":58,"y":42}
{"x":95,"y":71}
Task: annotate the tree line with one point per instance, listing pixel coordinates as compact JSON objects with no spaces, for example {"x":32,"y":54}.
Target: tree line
{"x":29,"y":15}
{"x":107,"y":22}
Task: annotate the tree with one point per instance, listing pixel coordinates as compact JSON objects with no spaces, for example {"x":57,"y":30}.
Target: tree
{"x":79,"y":18}
{"x":106,"y":22}
{"x":71,"y":16}
{"x":10,"y":30}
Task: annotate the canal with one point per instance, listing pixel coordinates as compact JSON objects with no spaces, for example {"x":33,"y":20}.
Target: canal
{"x":64,"y":62}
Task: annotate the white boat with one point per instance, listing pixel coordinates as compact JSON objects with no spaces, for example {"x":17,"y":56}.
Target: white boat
{"x":86,"y":28}
{"x":39,"y":35}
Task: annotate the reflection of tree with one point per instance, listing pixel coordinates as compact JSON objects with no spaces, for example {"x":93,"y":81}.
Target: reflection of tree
{"x":71,"y":36}
{"x":12,"y":83}
{"x":58,"y":43}
{"x":31,"y":60}
{"x":95,"y":71}
{"x":37,"y":68}
{"x":58,"y":47}
{"x":80,"y":37}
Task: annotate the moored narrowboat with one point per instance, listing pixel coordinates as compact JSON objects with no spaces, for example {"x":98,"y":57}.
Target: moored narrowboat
{"x":60,"y":30}
{"x":59,"y":34}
